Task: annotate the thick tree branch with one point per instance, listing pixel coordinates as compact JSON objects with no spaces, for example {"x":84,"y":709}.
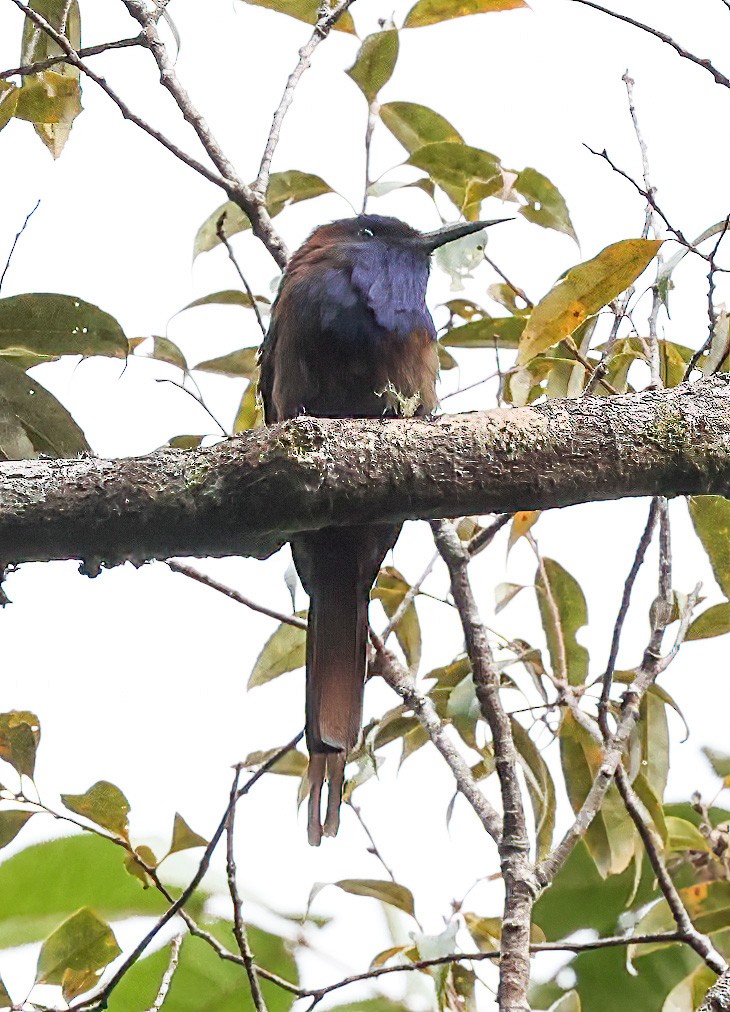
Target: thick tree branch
{"x":247,"y":495}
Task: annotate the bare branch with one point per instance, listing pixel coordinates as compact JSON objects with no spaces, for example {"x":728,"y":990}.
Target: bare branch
{"x":52,"y":61}
{"x":520,"y":885}
{"x":321,"y":30}
{"x":239,"y":927}
{"x":234,"y":595}
{"x":232,"y":257}
{"x":666,"y":39}
{"x":22,"y":229}
{"x":249,"y":200}
{"x":717,"y":998}
{"x":169,"y":974}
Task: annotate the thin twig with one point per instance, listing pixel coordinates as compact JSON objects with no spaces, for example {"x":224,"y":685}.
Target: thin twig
{"x":23,"y":227}
{"x":75,"y":60}
{"x":373,"y":848}
{"x":234,"y":595}
{"x":705,"y":347}
{"x":198,"y":400}
{"x":622,"y":612}
{"x":52,"y":61}
{"x":321,"y":30}
{"x":232,"y":257}
{"x":169,"y":974}
{"x":408,"y":599}
{"x":519,"y":292}
{"x":239,"y":927}
{"x":666,"y":39}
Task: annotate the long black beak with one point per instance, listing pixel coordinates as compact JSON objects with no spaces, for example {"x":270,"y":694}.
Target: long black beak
{"x":431,"y":241}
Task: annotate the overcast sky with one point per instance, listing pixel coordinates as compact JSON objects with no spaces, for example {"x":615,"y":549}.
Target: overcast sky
{"x":139,"y":676}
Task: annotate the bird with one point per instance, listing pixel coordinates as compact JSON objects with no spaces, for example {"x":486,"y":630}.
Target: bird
{"x":350,"y":336}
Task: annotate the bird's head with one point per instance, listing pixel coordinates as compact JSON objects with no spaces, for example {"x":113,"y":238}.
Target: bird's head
{"x":367,"y":234}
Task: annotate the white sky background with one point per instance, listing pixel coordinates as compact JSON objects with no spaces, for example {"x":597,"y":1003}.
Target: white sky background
{"x":139,"y":676}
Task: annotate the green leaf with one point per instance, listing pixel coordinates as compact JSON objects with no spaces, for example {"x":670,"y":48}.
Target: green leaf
{"x":103,"y":804}
{"x":387,"y":892}
{"x":187,"y":441}
{"x":720,"y":761}
{"x":285,"y":188}
{"x":390,"y":589}
{"x":47,"y":426}
{"x":375,"y":63}
{"x":707,"y":903}
{"x":545,"y":203}
{"x":83,"y":943}
{"x":563,"y":611}
{"x":183,"y":837}
{"x":165,"y":350}
{"x":584,"y":290}
{"x":64,"y":80}
{"x":610,"y":838}
{"x":540,"y":787}
{"x":306,"y":10}
{"x":488,"y":332}
{"x":467,"y":175}
{"x":430,"y":12}
{"x":241,"y":363}
{"x":682,"y":835}
{"x":20,"y":734}
{"x":249,"y":414}
{"x":81,"y":870}
{"x":416,"y":125}
{"x":711,"y":518}
{"x":229,"y":297}
{"x":49,"y":324}
{"x":653,"y":731}
{"x":285,"y":651}
{"x":11,"y":823}
{"x":8,"y":104}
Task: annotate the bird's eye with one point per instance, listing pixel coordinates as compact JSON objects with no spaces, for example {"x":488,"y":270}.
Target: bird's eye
{"x":365,"y":233}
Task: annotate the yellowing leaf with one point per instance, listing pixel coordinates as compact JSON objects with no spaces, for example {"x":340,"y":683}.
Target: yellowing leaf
{"x":165,"y":350}
{"x":138,"y":862}
{"x":183,"y":837}
{"x":416,"y":125}
{"x":20,"y":733}
{"x":375,"y":63}
{"x":55,"y":94}
{"x":285,"y":651}
{"x":249,"y":414}
{"x":5,"y":1000}
{"x":545,"y":204}
{"x":308,"y":11}
{"x":467,"y":175}
{"x":569,"y":1002}
{"x":11,"y":823}
{"x":711,"y":518}
{"x":82,"y":944}
{"x":228,"y":297}
{"x":563,"y":611}
{"x":291,"y":764}
{"x":103,"y":804}
{"x":387,"y":892}
{"x":522,"y":522}
{"x":610,"y":838}
{"x":584,"y":290}
{"x":390,"y":589}
{"x":8,"y":102}
{"x":430,"y":12}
